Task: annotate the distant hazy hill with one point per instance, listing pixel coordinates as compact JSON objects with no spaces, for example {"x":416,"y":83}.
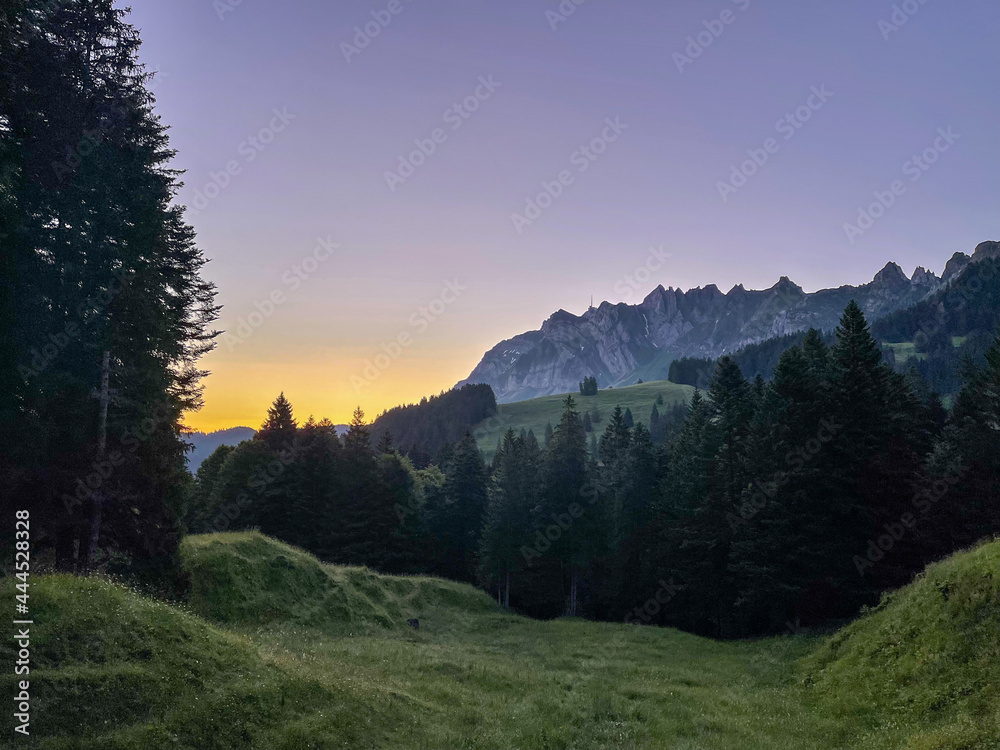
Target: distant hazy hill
{"x":205,"y":443}
{"x":619,"y":343}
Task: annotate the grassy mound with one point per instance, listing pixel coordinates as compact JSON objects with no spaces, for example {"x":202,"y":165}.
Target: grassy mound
{"x":248,"y":579}
{"x":112,"y":669}
{"x":927,"y":658}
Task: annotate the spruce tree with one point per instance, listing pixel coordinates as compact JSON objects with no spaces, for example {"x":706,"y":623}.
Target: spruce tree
{"x":107,"y":270}
{"x":364,"y":512}
{"x":885,"y":433}
{"x":306,"y":492}
{"x":785,"y":523}
{"x":459,"y":522}
{"x":675,"y":525}
{"x":513,"y":494}
{"x":569,"y":494}
{"x":654,"y":424}
{"x":614,"y":467}
{"x":385,"y":443}
{"x":278,"y":429}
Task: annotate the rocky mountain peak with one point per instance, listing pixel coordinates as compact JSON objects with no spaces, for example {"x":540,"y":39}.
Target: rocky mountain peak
{"x":923,"y":277}
{"x":786,"y":285}
{"x":891,"y":275}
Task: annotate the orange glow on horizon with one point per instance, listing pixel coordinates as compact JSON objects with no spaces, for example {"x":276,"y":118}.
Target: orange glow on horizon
{"x":237,"y":394}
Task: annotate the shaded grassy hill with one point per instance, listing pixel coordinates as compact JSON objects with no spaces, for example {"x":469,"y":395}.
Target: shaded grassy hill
{"x":538,"y":412}
{"x":277,"y":651}
{"x":927,"y":658}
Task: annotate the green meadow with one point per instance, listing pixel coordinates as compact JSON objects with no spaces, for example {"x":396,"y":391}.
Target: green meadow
{"x":536,"y":413}
{"x":279,"y":652}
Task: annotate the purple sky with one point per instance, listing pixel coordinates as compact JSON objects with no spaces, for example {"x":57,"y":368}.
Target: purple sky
{"x":656,"y":184}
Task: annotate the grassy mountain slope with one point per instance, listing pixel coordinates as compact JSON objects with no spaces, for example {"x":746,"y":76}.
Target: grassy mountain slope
{"x":538,"y":412}
{"x":928,"y":657}
{"x":303,"y":655}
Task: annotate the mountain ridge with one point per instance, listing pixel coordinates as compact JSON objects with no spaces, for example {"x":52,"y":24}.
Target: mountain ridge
{"x":619,"y":342}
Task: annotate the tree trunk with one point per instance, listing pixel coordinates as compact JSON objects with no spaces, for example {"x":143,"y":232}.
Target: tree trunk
{"x":64,"y":548}
{"x":572,"y":591}
{"x":90,"y":542}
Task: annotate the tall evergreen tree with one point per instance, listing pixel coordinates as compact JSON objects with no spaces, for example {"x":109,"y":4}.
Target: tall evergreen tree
{"x":365,"y":516}
{"x":458,"y":522}
{"x":278,"y":429}
{"x":614,"y":467}
{"x":873,"y":467}
{"x":385,"y":443}
{"x":568,"y":496}
{"x":654,"y":423}
{"x":102,"y":289}
{"x":785,"y":524}
{"x":513,"y":495}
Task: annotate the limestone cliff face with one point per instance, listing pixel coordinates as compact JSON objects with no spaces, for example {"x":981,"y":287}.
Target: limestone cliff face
{"x":618,"y":343}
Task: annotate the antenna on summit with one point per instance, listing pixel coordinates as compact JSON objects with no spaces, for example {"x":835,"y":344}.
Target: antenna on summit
{"x":591,"y":301}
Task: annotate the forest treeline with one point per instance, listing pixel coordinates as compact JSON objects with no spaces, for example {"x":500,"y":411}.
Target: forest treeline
{"x":421,"y":430}
{"x":793,"y":501}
